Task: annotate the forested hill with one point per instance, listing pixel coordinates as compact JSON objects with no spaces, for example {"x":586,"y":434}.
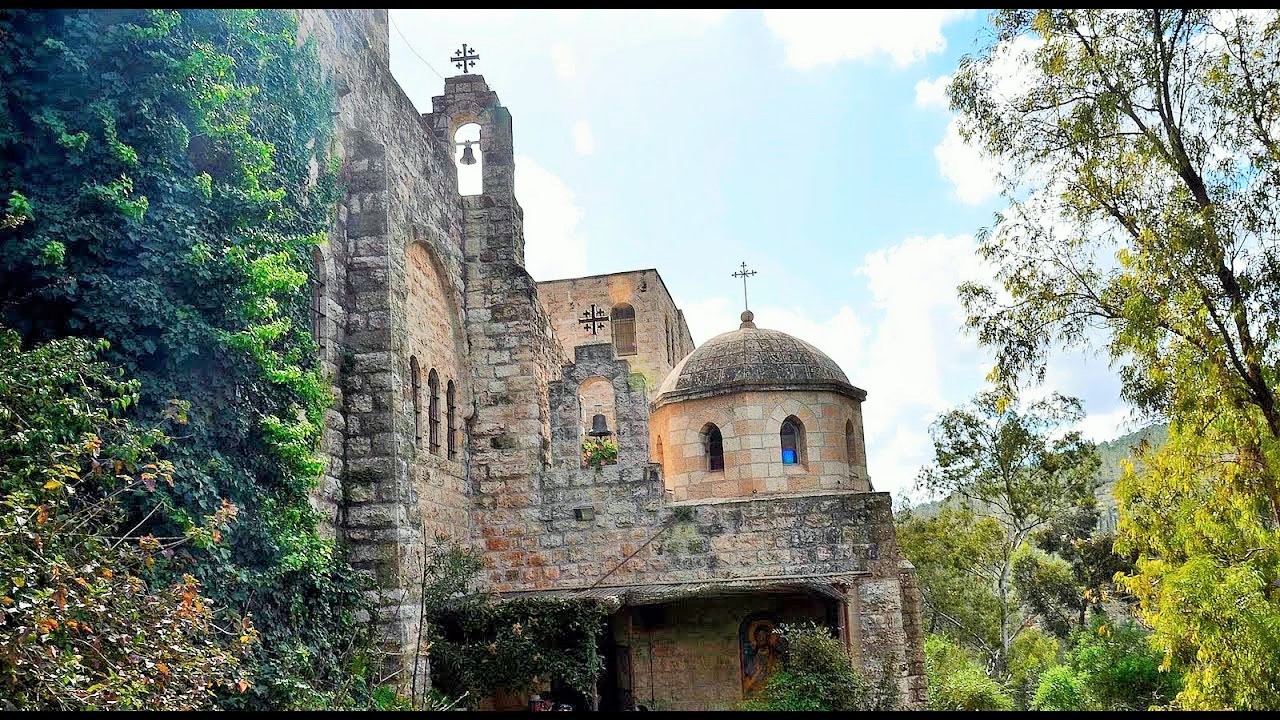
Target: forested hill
{"x":1111,"y":453}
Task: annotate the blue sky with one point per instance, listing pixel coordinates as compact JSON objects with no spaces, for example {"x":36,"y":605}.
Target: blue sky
{"x":814,"y":145}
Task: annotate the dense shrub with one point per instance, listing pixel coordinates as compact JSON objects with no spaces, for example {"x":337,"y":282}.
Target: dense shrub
{"x":817,"y":674}
{"x":88,"y":619}
{"x":957,"y":683}
{"x":1060,"y":688}
{"x":478,"y":644}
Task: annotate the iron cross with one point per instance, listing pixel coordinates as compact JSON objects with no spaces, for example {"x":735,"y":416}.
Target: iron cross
{"x":464,"y":58}
{"x":593,"y":319}
{"x":744,"y":274}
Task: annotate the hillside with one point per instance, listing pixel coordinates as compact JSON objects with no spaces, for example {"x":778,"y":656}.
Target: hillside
{"x":1111,"y":453}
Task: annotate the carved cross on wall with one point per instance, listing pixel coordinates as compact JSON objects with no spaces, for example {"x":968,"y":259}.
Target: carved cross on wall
{"x":594,"y":319}
{"x":464,"y":58}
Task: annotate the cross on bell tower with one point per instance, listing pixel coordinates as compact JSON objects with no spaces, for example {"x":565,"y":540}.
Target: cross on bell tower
{"x":464,"y":58}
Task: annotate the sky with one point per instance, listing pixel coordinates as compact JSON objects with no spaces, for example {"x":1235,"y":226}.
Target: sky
{"x":814,"y":145}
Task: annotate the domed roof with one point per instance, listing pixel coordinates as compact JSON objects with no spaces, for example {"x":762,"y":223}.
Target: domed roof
{"x":751,"y":358}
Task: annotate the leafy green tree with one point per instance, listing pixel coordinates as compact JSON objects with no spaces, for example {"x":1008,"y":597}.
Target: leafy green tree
{"x":1032,"y":654}
{"x":956,"y":682}
{"x":1140,"y":155}
{"x":957,"y":555}
{"x":88,"y":618}
{"x":1020,"y":466}
{"x":166,"y":177}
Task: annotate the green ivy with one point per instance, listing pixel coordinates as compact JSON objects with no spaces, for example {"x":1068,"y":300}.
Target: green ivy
{"x":161,"y":195}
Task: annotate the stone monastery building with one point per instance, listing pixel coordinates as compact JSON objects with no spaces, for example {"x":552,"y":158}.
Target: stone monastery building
{"x":740,"y":497}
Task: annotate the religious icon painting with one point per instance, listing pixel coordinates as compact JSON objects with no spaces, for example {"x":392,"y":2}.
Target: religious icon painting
{"x":761,"y":648}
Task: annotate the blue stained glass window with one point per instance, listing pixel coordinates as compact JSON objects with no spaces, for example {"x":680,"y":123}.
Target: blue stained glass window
{"x":790,"y":437}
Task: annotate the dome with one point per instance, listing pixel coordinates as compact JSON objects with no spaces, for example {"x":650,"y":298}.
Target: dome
{"x":751,"y":358}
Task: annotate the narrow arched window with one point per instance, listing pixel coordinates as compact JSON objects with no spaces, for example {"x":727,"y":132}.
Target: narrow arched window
{"x":623,"y":320}
{"x":433,"y":411}
{"x":713,"y":444}
{"x":667,"y":322}
{"x":318,"y":286}
{"x":850,"y":444}
{"x":451,"y":420}
{"x":792,"y":436}
{"x":657,"y":452}
{"x":415,"y":385}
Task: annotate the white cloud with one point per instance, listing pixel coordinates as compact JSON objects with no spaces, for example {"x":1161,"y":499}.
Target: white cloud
{"x":972,"y":173}
{"x":566,"y":64}
{"x":584,"y":142}
{"x":932,"y":94}
{"x":821,"y":37}
{"x":554,"y":244}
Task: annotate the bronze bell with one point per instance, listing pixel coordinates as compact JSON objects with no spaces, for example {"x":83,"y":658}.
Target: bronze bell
{"x":468,"y":157}
{"x":599,"y":428}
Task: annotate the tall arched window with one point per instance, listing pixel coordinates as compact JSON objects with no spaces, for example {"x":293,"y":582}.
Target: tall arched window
{"x":318,"y":283}
{"x":415,"y":385}
{"x":451,"y":420}
{"x":623,"y":320}
{"x":433,"y":410}
{"x":850,"y":444}
{"x":657,"y":452}
{"x":713,"y":444}
{"x":792,"y":436}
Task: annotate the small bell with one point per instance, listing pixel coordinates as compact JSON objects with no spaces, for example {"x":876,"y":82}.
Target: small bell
{"x":468,"y":157}
{"x":598,"y":426}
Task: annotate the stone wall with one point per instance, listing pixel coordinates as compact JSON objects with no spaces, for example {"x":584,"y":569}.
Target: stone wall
{"x":749,"y":424}
{"x":662,"y":336}
{"x":401,"y":197}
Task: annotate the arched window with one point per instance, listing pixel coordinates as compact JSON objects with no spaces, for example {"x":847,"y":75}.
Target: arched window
{"x":470,"y":164}
{"x":415,"y":385}
{"x":623,"y":320}
{"x":451,"y":420}
{"x":433,"y":410}
{"x":657,"y":452}
{"x":713,"y":444}
{"x":792,"y":436}
{"x":850,"y":444}
{"x":318,"y":283}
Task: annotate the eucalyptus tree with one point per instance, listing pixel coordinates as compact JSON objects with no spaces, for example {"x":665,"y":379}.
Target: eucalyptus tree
{"x":1020,"y":465}
{"x":1139,"y":152}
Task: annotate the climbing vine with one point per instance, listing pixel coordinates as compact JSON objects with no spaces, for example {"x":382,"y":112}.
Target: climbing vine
{"x":166,"y":176}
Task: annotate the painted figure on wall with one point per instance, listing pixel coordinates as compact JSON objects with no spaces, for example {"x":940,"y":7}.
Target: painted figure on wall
{"x":761,"y":648}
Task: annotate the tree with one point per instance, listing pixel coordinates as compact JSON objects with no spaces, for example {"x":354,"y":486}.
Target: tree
{"x":1140,"y":155}
{"x":1021,"y":467}
{"x":957,"y":556}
